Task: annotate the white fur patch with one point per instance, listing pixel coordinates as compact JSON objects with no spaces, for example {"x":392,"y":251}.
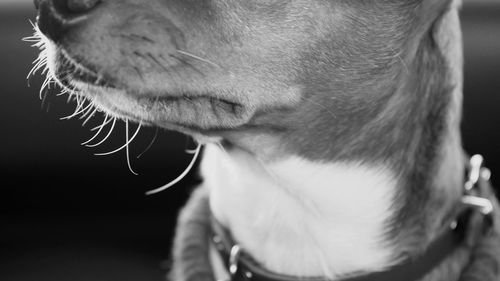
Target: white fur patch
{"x":302,"y":218}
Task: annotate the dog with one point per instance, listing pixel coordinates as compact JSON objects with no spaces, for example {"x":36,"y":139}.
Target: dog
{"x":331,"y":138}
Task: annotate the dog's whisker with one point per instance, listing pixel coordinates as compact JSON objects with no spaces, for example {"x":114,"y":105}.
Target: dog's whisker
{"x":183,"y":61}
{"x":65,"y":86}
{"x":73,"y":96}
{"x":71,"y":93}
{"x":80,"y":108}
{"x":198,"y":58}
{"x":106,"y":121}
{"x":222,"y":148}
{"x":190,"y":151}
{"x":127,"y":148}
{"x":107,"y":135}
{"x":39,"y":43}
{"x":128,"y":141}
{"x":32,"y":23}
{"x":181,"y":176}
{"x":32,"y":38}
{"x":38,"y":63}
{"x":149,"y":145}
{"x":45,"y":70}
{"x":89,"y":117}
{"x":101,"y":127}
{"x":44,"y":100}
{"x":89,"y":111}
{"x":45,"y":86}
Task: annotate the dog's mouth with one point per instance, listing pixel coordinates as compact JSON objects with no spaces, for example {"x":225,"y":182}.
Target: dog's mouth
{"x":198,"y":112}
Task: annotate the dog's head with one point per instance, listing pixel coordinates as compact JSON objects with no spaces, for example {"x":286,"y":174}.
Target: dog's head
{"x":236,"y":68}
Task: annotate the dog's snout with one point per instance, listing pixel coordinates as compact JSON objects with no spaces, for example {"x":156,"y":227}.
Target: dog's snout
{"x":56,"y":17}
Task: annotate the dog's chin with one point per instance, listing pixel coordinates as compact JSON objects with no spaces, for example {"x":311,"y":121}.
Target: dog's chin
{"x":203,"y":115}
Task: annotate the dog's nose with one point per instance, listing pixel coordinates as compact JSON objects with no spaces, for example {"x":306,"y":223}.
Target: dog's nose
{"x":71,"y":6}
{"x":56,"y":17}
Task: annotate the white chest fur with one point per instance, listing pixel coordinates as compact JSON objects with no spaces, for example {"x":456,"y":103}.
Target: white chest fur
{"x":302,"y":218}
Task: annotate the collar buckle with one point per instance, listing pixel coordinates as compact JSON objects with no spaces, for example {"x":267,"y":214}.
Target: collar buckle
{"x":477,"y":176}
{"x":234,"y":268}
{"x":234,"y":256}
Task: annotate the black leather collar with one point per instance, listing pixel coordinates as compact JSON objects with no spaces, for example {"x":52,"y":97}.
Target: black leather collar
{"x":474,"y":203}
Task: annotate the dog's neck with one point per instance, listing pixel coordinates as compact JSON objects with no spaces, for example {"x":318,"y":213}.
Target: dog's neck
{"x":362,"y":209}
{"x":302,"y":218}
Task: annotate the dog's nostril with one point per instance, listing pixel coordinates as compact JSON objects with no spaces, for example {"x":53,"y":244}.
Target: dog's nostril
{"x":81,"y":6}
{"x":58,"y":17}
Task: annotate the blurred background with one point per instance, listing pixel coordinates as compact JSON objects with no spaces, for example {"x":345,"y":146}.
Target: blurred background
{"x":66,"y":214}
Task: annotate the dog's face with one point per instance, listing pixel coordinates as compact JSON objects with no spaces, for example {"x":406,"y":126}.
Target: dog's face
{"x":223,"y":67}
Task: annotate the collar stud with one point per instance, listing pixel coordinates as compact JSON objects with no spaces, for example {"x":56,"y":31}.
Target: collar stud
{"x":234,"y":257}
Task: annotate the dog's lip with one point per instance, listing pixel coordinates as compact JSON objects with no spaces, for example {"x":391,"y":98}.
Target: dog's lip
{"x":70,"y":68}
{"x":223,"y":113}
{"x":229,"y":104}
{"x":222,"y":108}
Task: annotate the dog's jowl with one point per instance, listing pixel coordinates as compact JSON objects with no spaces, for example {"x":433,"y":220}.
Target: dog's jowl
{"x":330,"y":130}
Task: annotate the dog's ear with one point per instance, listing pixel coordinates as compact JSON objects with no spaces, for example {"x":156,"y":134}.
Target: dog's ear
{"x":446,"y":35}
{"x":437,"y":14}
{"x":430,"y":10}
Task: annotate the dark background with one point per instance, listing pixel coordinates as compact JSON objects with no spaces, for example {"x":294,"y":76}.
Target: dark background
{"x":66,"y":214}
